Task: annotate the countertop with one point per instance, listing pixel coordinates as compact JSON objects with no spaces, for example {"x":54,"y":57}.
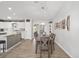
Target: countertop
{"x":7,"y":34}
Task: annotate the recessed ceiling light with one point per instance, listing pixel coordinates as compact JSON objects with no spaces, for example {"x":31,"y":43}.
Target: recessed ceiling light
{"x":8,"y":17}
{"x":10,"y":8}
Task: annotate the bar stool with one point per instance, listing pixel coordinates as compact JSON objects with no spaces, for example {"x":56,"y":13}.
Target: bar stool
{"x":2,"y":42}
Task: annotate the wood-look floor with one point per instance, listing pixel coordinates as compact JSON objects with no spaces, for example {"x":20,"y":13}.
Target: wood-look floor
{"x":27,"y":50}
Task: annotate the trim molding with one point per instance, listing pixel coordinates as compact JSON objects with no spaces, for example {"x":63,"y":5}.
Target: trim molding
{"x":64,"y":49}
{"x":2,"y":20}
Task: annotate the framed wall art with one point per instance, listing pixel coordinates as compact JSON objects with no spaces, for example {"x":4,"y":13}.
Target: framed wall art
{"x":68,"y":23}
{"x":63,"y":24}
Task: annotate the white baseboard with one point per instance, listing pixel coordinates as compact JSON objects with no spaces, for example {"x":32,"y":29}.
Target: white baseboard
{"x":64,"y":49}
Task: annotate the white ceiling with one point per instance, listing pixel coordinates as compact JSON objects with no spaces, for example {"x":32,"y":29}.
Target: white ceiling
{"x":30,"y":9}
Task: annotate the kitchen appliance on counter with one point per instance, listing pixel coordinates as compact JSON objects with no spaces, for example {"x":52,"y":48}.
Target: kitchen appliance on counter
{"x":1,"y":29}
{"x":2,"y":32}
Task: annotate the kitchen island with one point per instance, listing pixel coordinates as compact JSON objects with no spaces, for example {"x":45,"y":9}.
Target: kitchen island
{"x":11,"y":40}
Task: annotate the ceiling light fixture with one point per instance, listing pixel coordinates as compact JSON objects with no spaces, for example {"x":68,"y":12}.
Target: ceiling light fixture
{"x":8,"y":17}
{"x":10,"y":8}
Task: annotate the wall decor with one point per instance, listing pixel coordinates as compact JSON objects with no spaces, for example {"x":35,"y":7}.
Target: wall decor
{"x":63,"y":24}
{"x":56,"y":26}
{"x":68,"y":23}
{"x":60,"y":24}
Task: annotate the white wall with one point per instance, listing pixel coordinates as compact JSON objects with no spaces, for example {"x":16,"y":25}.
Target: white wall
{"x":69,"y":40}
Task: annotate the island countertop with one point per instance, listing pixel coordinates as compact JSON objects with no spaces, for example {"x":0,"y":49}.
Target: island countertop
{"x":11,"y":39}
{"x":3,"y":36}
{"x":10,"y":33}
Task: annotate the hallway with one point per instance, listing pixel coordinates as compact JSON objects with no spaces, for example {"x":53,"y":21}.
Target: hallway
{"x":25,"y":50}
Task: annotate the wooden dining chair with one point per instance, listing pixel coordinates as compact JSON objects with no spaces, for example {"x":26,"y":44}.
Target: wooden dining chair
{"x":45,"y":45}
{"x":37,"y":40}
{"x":52,"y":38}
{"x":37,"y":44}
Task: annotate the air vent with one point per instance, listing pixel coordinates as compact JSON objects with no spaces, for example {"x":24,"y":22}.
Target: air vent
{"x":28,"y":20}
